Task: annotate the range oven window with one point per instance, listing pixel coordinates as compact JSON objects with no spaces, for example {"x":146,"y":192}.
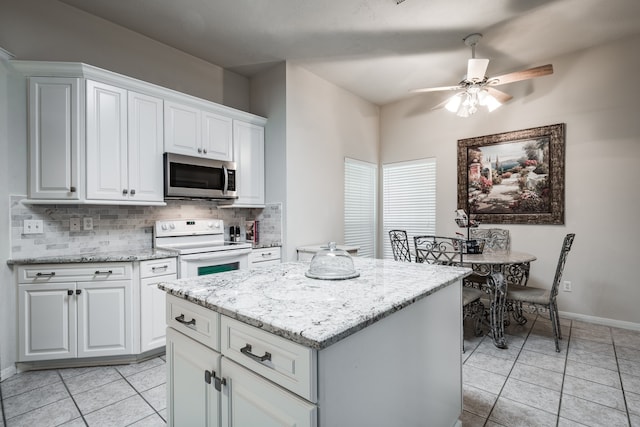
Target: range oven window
{"x":193,"y":176}
{"x":219,"y":268}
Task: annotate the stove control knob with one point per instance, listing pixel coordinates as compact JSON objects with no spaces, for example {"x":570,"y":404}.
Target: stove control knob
{"x":163,"y":226}
{"x":172,"y":225}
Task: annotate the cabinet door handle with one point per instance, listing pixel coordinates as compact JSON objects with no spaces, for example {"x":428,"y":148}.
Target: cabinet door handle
{"x":184,"y":322}
{"x":217,"y":381}
{"x":208,"y":375}
{"x":53,"y":273}
{"x":78,"y":291}
{"x":200,"y":150}
{"x":69,"y":292}
{"x":72,"y":189}
{"x":104,"y":272}
{"x":246,"y":350}
{"x":204,"y":151}
{"x":133,"y":192}
{"x":124,"y":191}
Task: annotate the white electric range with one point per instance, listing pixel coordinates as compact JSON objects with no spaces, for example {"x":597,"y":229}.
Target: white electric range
{"x":201,"y":246}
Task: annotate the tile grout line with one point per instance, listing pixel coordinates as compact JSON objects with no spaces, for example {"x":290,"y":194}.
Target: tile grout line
{"x":564,"y":371}
{"x":624,"y":395}
{"x":72,"y":398}
{"x":141,"y":396}
{"x":510,"y":371}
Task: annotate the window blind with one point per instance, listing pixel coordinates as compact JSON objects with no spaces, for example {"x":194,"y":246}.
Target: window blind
{"x":409,"y":200}
{"x":360,"y":206}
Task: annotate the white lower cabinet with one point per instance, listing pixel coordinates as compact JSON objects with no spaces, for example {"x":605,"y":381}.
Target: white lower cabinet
{"x":250,"y":400}
{"x":192,"y":397}
{"x":68,"y":311}
{"x":153,"y":325}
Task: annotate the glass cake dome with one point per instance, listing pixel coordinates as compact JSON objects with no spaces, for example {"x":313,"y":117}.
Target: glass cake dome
{"x":331,"y":263}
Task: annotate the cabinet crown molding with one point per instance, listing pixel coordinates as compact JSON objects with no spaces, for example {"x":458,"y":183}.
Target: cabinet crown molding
{"x":86,"y":71}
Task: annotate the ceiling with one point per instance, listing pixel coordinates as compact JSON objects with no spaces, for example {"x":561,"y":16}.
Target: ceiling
{"x":377,"y":49}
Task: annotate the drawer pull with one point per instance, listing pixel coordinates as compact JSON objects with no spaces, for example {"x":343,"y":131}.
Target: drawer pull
{"x":246,"y":350}
{"x":53,"y":273}
{"x":104,"y":272}
{"x":184,"y":322}
{"x":159,"y":267}
{"x":266,"y":254}
{"x":69,"y":292}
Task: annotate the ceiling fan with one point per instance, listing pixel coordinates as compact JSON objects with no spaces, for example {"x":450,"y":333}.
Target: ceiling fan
{"x":477,"y":88}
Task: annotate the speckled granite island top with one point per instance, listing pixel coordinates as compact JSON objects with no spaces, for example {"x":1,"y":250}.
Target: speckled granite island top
{"x":119,"y":256}
{"x":281,"y":300}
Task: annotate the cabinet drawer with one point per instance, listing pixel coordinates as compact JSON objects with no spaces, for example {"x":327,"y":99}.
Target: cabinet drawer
{"x":264,"y":254}
{"x":158,"y":267}
{"x":199,"y":323}
{"x":286,"y":363}
{"x":78,"y":272}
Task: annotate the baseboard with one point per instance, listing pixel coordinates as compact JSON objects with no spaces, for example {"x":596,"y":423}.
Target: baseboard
{"x":8,"y":372}
{"x":601,"y":321}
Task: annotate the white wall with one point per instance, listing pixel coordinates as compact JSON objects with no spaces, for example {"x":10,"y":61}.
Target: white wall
{"x":593,"y":93}
{"x":47,"y":30}
{"x":325,"y":124}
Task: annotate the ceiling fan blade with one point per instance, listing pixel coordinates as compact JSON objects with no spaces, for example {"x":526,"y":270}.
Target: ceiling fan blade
{"x":436,"y":89}
{"x":531,"y":73}
{"x":476,"y":69}
{"x":499,"y":95}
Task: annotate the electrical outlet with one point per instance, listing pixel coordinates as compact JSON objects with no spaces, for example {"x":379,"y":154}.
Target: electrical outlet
{"x":566,"y":286}
{"x":74,"y":224}
{"x":87,"y":223}
{"x":33,"y":226}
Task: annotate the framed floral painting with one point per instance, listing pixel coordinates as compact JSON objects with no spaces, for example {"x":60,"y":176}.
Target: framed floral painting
{"x":513,"y":177}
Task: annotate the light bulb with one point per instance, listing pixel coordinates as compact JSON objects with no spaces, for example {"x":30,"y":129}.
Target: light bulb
{"x":453,"y":103}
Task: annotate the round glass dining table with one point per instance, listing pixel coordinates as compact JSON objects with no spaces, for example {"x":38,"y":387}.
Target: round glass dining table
{"x":514,"y":267}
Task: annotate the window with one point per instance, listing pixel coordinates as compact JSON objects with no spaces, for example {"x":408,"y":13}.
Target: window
{"x":409,"y":199}
{"x":360,"y":195}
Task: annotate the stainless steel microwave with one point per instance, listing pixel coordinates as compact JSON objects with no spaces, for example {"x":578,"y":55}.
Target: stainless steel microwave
{"x":187,"y":177}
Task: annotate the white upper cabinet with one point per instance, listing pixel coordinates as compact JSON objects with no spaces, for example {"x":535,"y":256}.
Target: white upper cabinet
{"x":98,"y":137}
{"x":124,"y":145}
{"x":193,"y":131}
{"x":54,"y":138}
{"x":248,"y":154}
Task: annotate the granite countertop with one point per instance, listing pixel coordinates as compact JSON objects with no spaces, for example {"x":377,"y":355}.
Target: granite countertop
{"x":119,"y":256}
{"x":281,"y":300}
{"x":320,"y":246}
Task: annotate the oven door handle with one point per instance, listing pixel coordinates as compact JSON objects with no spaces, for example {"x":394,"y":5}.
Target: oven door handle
{"x":216,"y":255}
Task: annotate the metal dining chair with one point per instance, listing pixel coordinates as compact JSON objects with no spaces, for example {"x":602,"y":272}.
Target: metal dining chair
{"x":400,"y":245}
{"x":538,"y":298}
{"x":495,"y":239}
{"x":448,"y":251}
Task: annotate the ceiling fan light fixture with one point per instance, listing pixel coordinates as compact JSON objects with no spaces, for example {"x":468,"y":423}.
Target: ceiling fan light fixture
{"x":454,"y":103}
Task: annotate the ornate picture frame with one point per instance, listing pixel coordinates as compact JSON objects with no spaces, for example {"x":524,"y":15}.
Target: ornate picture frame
{"x":513,"y":177}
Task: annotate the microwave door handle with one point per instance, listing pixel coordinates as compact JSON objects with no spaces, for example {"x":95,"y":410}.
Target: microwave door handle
{"x":225,"y":187}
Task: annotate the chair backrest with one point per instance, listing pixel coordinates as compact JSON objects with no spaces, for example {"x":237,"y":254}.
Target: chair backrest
{"x":566,"y":247}
{"x":495,"y":239}
{"x":400,"y":245}
{"x":438,"y":250}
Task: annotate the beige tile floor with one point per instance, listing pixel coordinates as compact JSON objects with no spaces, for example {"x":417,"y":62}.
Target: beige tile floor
{"x":596,"y":382}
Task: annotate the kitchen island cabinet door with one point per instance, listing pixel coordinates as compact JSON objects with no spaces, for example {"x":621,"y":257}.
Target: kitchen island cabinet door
{"x":105,"y":318}
{"x":47,"y":325}
{"x":153,"y":325}
{"x":192,"y":399}
{"x":250,"y":400}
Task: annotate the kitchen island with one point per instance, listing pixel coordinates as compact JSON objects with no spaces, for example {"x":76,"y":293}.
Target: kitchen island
{"x":273,"y":347}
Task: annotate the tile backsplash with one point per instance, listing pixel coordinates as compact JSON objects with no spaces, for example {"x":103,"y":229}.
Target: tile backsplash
{"x":122,"y":228}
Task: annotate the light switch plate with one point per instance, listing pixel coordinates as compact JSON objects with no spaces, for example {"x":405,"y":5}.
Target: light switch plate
{"x":33,"y":226}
